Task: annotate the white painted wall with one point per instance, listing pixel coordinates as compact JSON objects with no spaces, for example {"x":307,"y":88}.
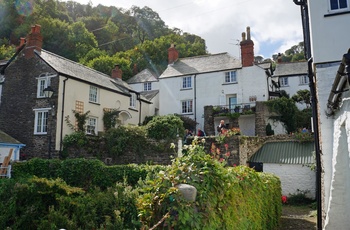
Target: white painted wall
{"x":329,"y":41}
{"x":208,"y":88}
{"x":338,"y":206}
{"x":294,"y":177}
{"x":329,"y":34}
{"x":139,"y":87}
{"x":4,"y":152}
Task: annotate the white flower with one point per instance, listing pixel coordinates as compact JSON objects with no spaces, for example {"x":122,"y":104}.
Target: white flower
{"x":172,"y":146}
{"x":203,"y":140}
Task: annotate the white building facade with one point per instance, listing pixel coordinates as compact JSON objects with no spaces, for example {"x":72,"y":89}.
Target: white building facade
{"x":190,"y":84}
{"x":329,"y":47}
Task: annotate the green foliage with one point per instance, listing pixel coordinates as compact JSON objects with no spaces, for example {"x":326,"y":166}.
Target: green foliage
{"x":227,"y":198}
{"x":82,"y":173}
{"x":6,"y":52}
{"x":80,"y":119}
{"x":269,"y":130}
{"x":300,"y":198}
{"x":303,"y":97}
{"x":110,"y":118}
{"x":303,"y":118}
{"x":165,"y":127}
{"x":40,"y":203}
{"x":124,"y":139}
{"x":286,"y":110}
{"x":188,"y":123}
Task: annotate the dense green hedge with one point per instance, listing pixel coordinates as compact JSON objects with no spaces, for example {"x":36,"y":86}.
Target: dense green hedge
{"x":82,"y":173}
{"x":86,"y":194}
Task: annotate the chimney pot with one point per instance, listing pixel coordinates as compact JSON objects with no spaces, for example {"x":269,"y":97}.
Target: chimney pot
{"x":116,"y":72}
{"x":173,"y":54}
{"x":248,"y":33}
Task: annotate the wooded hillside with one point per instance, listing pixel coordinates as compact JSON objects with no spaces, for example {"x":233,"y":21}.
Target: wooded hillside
{"x":99,"y":37}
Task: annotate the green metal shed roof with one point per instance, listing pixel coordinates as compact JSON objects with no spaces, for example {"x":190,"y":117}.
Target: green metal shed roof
{"x":289,"y":152}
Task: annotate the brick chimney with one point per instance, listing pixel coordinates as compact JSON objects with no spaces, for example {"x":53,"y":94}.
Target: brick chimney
{"x":173,"y":54}
{"x":22,"y":41}
{"x":117,"y":73}
{"x":247,"y":49}
{"x":34,"y":42}
{"x":279,"y":58}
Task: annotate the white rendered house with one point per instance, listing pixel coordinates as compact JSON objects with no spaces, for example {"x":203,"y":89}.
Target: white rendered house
{"x":190,"y":84}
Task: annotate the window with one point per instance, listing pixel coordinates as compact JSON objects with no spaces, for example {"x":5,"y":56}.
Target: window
{"x":40,"y":124}
{"x":284,"y":81}
{"x":91,"y":127}
{"x":133,"y":100}
{"x":93,"y":94}
{"x":303,"y":80}
{"x":186,"y":82}
{"x":339,"y":5}
{"x":147,"y":86}
{"x":230,"y":77}
{"x":187,"y":106}
{"x":43,"y":82}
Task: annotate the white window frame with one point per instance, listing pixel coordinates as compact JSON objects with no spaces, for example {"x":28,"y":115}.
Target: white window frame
{"x":43,"y":82}
{"x":338,"y":9}
{"x":187,"y":82}
{"x":304,"y":80}
{"x":133,"y":100}
{"x":231,"y":77}
{"x":187,"y":106}
{"x":41,"y":121}
{"x":91,"y":126}
{"x":93,"y":94}
{"x":147,"y":86}
{"x":284,"y":81}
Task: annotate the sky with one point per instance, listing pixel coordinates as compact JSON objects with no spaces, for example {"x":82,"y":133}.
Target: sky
{"x":275,"y":25}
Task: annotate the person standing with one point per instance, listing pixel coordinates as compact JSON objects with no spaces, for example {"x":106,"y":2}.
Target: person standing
{"x":221,"y":128}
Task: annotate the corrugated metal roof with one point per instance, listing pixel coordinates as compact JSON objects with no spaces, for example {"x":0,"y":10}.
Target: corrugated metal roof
{"x":289,"y":152}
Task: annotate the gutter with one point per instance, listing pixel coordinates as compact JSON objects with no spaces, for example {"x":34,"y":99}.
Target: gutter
{"x":62,"y":113}
{"x":341,"y":78}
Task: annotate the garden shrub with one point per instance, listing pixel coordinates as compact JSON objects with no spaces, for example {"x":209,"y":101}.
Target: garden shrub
{"x":165,"y":127}
{"x":39,"y":203}
{"x":227,"y":198}
{"x":126,"y":139}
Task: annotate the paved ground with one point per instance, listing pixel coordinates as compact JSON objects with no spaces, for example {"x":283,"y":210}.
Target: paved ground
{"x":298,"y":218}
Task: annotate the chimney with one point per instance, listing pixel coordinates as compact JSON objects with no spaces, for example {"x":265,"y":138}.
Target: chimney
{"x":135,"y":69}
{"x":247,"y":49}
{"x":279,"y":58}
{"x":117,"y":73}
{"x":173,"y":54}
{"x":34,"y":42}
{"x":21,"y":43}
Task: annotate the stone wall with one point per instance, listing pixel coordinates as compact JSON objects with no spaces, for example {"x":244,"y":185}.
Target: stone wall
{"x":19,"y":98}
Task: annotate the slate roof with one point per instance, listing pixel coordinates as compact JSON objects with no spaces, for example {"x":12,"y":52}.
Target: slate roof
{"x":73,"y":69}
{"x":144,"y":76}
{"x":201,"y":64}
{"x":5,"y":138}
{"x":287,"y":152}
{"x":292,"y":68}
{"x":149,"y":95}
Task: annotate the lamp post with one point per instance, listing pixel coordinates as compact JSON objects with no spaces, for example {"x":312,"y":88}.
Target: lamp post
{"x":48,"y":92}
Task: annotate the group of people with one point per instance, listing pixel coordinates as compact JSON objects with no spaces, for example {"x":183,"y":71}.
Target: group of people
{"x":221,"y":129}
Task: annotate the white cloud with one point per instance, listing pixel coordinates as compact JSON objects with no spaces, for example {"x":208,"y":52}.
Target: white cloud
{"x":275,"y":24}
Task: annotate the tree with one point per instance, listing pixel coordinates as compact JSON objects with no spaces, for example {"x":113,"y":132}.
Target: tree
{"x":303,"y":97}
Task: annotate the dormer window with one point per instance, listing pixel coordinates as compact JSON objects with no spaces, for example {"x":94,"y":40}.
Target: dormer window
{"x":231,"y":77}
{"x":147,"y":86}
